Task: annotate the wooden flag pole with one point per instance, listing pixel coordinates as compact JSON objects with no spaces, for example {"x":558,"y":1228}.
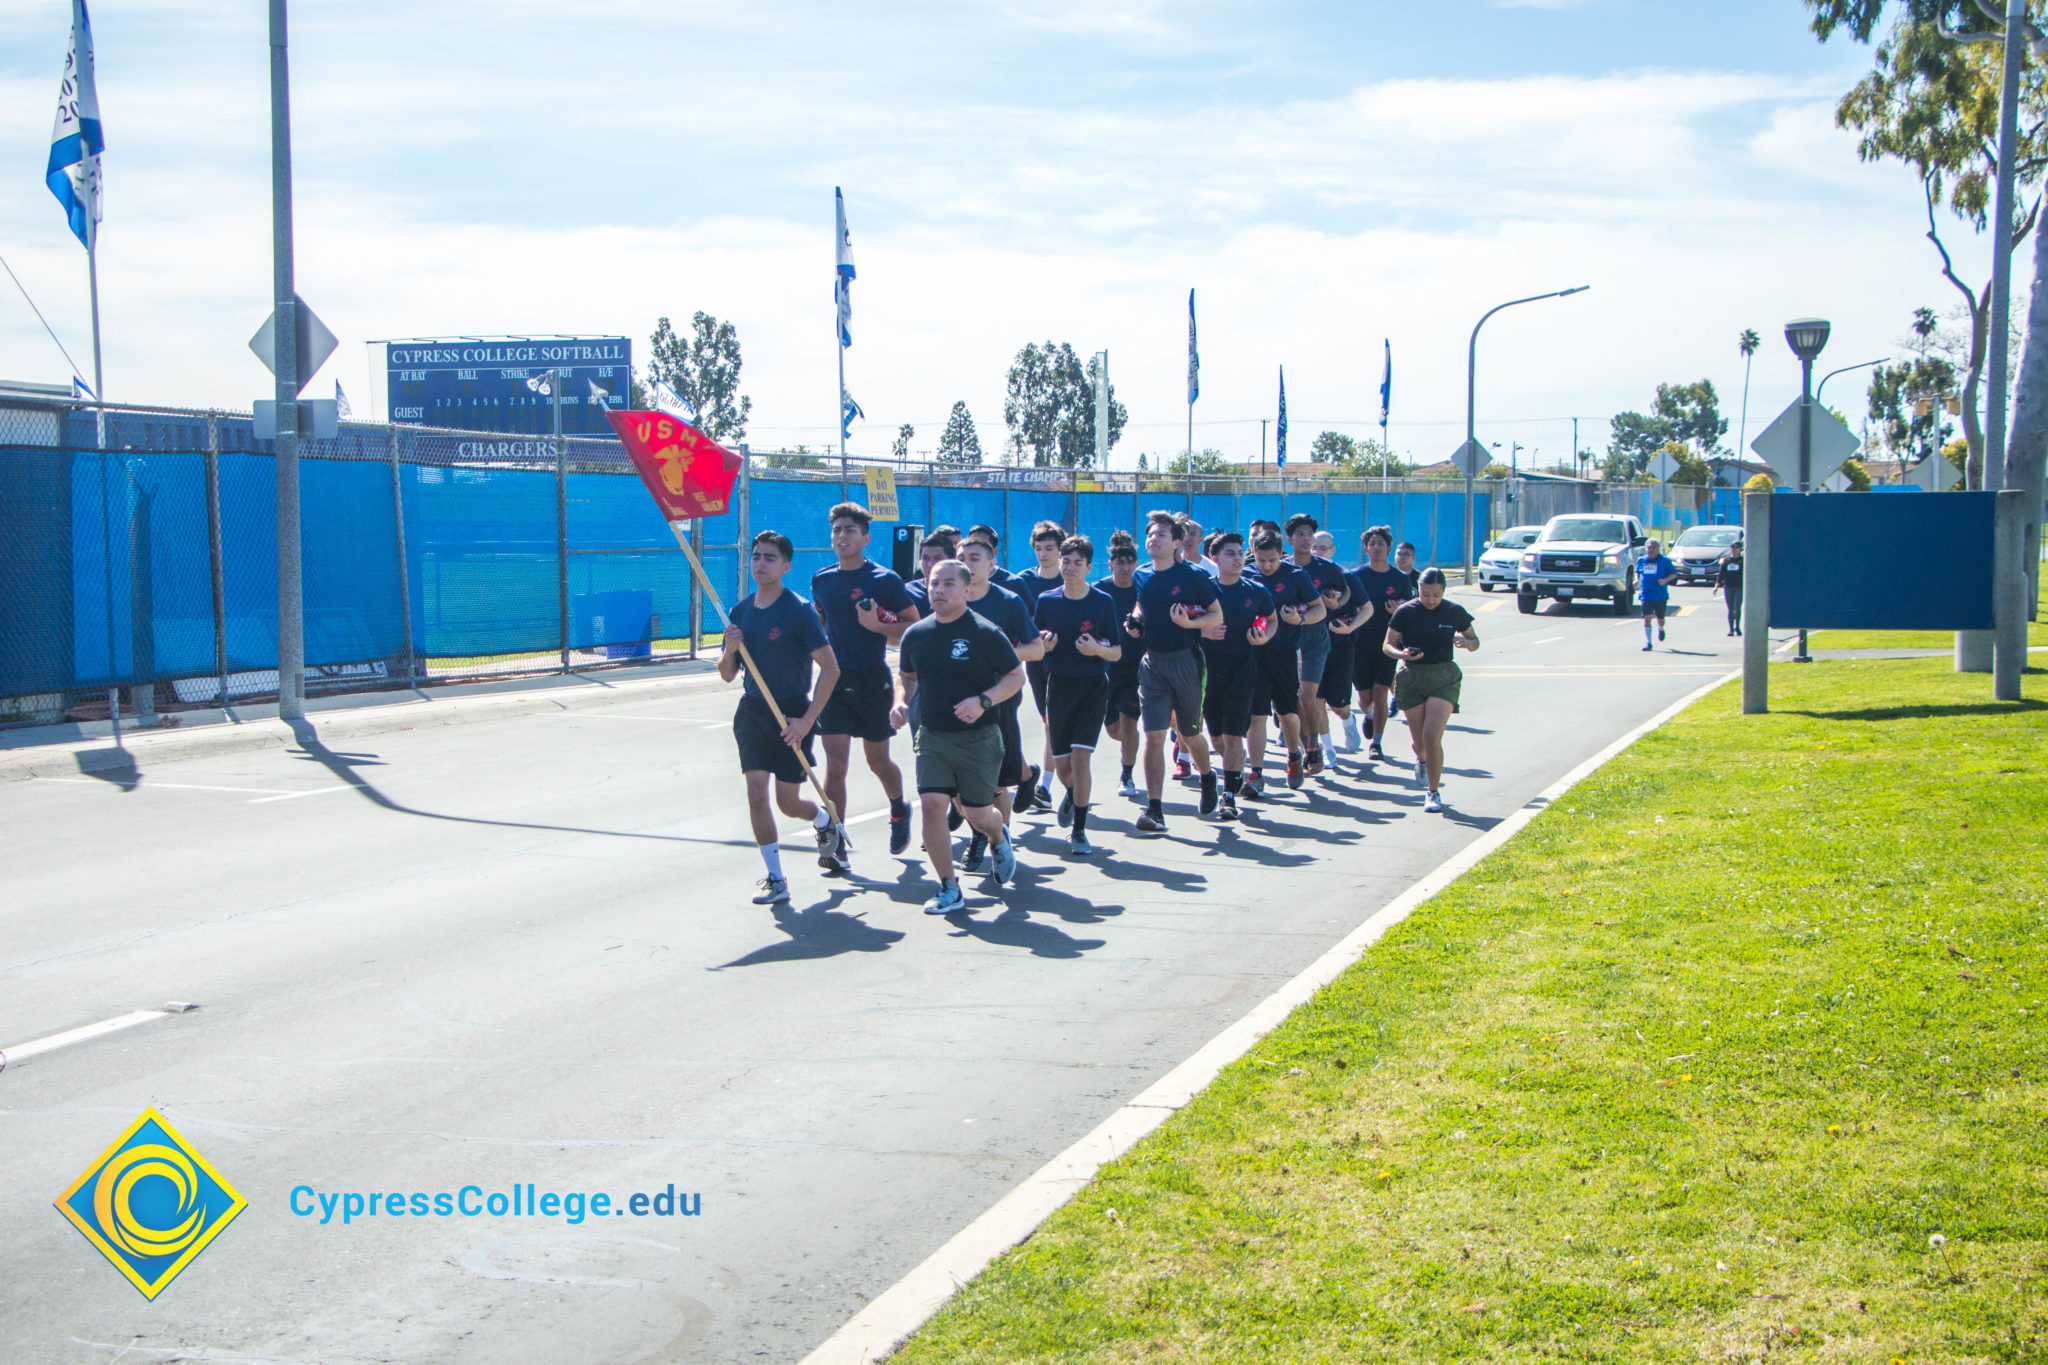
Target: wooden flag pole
{"x":774,"y":707}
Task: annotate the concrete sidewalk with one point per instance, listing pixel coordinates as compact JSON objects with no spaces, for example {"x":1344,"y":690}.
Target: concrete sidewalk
{"x":93,"y":746}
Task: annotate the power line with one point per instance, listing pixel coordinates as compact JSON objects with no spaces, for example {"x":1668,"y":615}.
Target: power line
{"x":45,"y":321}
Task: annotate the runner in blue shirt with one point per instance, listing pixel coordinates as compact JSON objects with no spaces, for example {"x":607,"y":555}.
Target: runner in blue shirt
{"x":865,"y":608}
{"x":1249,"y":620}
{"x":1078,"y":624}
{"x":1030,"y":585}
{"x":1120,"y":710}
{"x":1654,"y":574}
{"x":1277,"y":692}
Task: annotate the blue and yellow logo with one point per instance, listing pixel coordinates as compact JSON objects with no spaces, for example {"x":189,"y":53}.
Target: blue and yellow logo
{"x":150,"y":1203}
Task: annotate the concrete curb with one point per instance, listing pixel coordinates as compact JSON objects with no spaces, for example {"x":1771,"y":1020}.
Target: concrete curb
{"x":906,"y":1305}
{"x":69,"y":759}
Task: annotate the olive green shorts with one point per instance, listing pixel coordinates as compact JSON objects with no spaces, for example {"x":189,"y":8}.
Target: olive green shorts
{"x":1415,"y":684}
{"x":962,"y":763}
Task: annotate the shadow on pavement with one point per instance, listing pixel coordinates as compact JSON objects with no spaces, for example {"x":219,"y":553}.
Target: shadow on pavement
{"x":1232,"y":844}
{"x":1014,"y":928}
{"x":343,"y":766}
{"x":120,"y":772}
{"x":817,"y":931}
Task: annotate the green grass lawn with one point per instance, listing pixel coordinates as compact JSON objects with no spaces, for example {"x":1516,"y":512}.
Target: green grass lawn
{"x":1736,"y":1054}
{"x":2037,"y":634}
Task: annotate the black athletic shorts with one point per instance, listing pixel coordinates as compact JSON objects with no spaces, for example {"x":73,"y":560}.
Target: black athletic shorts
{"x":1075,"y":707}
{"x":1655,"y":609}
{"x":1371,"y":667}
{"x":1276,"y":682}
{"x":1012,"y":771}
{"x":1121,"y":701}
{"x":860,"y":705}
{"x":1227,"y":695}
{"x":760,"y":738}
{"x":1035,"y":674}
{"x":1335,"y":688}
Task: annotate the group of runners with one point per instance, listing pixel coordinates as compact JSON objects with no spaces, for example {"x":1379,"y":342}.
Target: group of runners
{"x":1204,"y":652}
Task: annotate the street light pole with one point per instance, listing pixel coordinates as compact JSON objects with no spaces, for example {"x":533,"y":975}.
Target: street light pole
{"x":1471,"y":381}
{"x":1806,"y":337}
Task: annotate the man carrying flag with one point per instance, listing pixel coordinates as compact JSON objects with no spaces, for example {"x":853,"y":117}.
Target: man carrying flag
{"x":785,"y":637}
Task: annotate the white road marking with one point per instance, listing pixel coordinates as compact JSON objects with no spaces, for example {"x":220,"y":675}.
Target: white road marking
{"x":614,"y":715}
{"x":1546,"y":640}
{"x":21,"y":1052}
{"x":293,"y":796}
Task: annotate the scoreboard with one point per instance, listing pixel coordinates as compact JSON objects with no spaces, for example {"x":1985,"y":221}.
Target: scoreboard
{"x":482,"y":383}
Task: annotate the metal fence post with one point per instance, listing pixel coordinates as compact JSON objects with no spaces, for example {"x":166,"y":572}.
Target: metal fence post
{"x":561,"y":536}
{"x":696,"y":589}
{"x":404,"y":570}
{"x":213,"y":555}
{"x":1008,"y":475}
{"x":742,"y":555}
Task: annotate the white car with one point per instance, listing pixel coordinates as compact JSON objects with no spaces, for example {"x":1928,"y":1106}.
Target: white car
{"x":1501,"y":563}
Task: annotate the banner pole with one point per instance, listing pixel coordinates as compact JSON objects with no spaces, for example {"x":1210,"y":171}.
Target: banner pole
{"x":725,"y":624}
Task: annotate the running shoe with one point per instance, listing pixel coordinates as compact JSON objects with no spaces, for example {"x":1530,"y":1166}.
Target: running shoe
{"x":1148,"y":823}
{"x":1376,"y":754}
{"x":1646,"y":646}
{"x":1066,"y":810}
{"x":1227,"y":808}
{"x":950,"y":900}
{"x":977,"y":852}
{"x":1182,"y":769}
{"x":1329,"y":753}
{"x":831,"y":841}
{"x":1081,"y":847}
{"x":1294,"y":772}
{"x":1421,"y":774}
{"x":1127,"y":788}
{"x":1003,"y":865}
{"x":1660,"y":630}
{"x":1351,"y":737}
{"x":1434,"y":805}
{"x":1208,"y":806}
{"x":1044,"y":795}
{"x":1254,"y":788}
{"x":899,"y":832}
{"x":1312,"y":761}
{"x":953,"y":819}
{"x":771,"y":891}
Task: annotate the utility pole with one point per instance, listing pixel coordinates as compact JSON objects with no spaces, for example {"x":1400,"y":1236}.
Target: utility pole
{"x":291,"y":636}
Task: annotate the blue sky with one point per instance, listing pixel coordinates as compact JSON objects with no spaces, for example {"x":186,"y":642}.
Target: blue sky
{"x":1325,"y":175}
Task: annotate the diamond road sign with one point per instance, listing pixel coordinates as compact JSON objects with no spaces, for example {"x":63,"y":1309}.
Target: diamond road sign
{"x":1778,"y":445}
{"x":1664,"y":466}
{"x":1472,"y":459}
{"x":1936,"y":474}
{"x":316,"y":343}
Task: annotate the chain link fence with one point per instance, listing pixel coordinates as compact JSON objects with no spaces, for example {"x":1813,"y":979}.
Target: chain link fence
{"x":140,"y":547}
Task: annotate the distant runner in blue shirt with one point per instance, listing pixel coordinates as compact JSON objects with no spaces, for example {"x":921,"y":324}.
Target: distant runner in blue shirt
{"x":1654,"y":574}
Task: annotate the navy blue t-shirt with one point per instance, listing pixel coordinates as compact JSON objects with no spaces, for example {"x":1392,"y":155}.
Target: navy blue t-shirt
{"x":1003,"y":609}
{"x":1000,"y":576}
{"x":1125,"y":599}
{"x":1069,"y":618}
{"x":1386,"y":589}
{"x":1243,"y":602}
{"x":1032,"y":585}
{"x":1159,"y":591}
{"x":781,"y":636}
{"x":837,"y":594}
{"x":1326,"y":574}
{"x":1289,"y":586}
{"x":920,"y":596}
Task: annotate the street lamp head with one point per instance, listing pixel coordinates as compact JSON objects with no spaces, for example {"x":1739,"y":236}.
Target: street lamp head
{"x":1807,"y":336}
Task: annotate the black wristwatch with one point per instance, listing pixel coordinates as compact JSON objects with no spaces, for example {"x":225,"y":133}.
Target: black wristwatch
{"x":986,"y":704}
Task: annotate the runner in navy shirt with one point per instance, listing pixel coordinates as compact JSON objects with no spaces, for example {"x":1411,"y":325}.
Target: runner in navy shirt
{"x":784,"y":638}
{"x":1120,"y":710}
{"x":1029,"y":586}
{"x":1004,"y":610}
{"x":1248,"y":622}
{"x":866,"y":608}
{"x":1079,"y":626}
{"x":1169,"y":684}
{"x":1277,"y":690}
{"x":1386,"y":587}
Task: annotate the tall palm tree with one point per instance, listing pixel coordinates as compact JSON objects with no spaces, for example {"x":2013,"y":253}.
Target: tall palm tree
{"x":1749,"y":342}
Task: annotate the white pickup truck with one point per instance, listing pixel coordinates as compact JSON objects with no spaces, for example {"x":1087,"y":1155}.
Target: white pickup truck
{"x":1582,"y":556}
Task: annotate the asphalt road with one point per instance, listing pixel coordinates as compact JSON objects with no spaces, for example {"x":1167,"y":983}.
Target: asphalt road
{"x":522,"y":952}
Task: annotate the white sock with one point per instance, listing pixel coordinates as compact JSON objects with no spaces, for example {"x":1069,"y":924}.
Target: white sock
{"x":822,"y":820}
{"x":771,"y":854}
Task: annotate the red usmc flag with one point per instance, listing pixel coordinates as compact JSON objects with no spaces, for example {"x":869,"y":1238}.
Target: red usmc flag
{"x":689,"y":474}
